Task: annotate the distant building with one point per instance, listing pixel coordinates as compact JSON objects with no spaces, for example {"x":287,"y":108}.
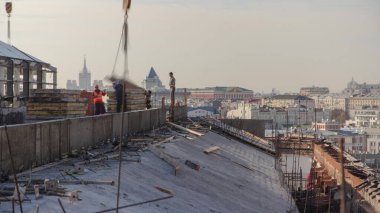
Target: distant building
{"x":354,"y":142}
{"x":221,"y":93}
{"x":355,"y":104}
{"x":85,"y":78}
{"x":330,"y":102}
{"x":285,"y":101}
{"x":327,"y":125}
{"x":281,"y":117}
{"x":354,"y":89}
{"x":152,"y":82}
{"x":72,"y":85}
{"x":21,"y":72}
{"x":373,"y":140}
{"x":201,"y":112}
{"x":366,"y":117}
{"x":311,"y":91}
{"x":85,"y":81}
{"x":291,"y":116}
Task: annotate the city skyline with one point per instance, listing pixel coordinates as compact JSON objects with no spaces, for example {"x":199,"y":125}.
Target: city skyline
{"x":254,"y":44}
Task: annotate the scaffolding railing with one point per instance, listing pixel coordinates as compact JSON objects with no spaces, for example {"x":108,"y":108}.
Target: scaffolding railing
{"x":245,"y":136}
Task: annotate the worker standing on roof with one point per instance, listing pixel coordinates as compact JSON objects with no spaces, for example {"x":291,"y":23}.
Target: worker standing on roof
{"x":118,"y":87}
{"x":98,"y":100}
{"x":172,"y":91}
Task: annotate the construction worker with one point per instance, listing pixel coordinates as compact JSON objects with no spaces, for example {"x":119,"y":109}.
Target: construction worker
{"x":148,"y":94}
{"x":172,"y":92}
{"x":118,"y":86}
{"x":98,"y":100}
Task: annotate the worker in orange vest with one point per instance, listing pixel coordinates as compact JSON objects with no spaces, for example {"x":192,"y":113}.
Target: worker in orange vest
{"x":98,"y":100}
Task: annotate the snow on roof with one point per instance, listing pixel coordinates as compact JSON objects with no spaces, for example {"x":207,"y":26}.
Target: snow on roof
{"x":238,"y":178}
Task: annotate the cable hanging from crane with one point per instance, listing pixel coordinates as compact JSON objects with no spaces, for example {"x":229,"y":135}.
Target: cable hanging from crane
{"x":126,"y":7}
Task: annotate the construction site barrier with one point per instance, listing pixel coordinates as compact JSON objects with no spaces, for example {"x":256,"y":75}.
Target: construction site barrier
{"x":40,"y":143}
{"x":245,"y":136}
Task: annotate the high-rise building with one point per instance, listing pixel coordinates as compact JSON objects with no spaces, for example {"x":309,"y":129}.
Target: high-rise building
{"x":152,"y":82}
{"x":85,"y":78}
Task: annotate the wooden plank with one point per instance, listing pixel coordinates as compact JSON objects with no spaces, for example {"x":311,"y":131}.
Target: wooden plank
{"x":167,"y":158}
{"x":211,"y":149}
{"x":185,"y":129}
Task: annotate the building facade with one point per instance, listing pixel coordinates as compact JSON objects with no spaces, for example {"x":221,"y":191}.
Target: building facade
{"x":373,"y":140}
{"x":355,"y":104}
{"x":152,"y":82}
{"x":221,"y":93}
{"x":284,"y":101}
{"x":313,"y":91}
{"x":327,"y":125}
{"x":354,"y":88}
{"x":201,"y":112}
{"x":366,"y":118}
{"x":85,"y":78}
{"x":330,"y":102}
{"x":20,"y":73}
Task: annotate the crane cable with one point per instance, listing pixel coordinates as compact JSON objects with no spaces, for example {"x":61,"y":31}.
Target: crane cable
{"x":118,"y":50}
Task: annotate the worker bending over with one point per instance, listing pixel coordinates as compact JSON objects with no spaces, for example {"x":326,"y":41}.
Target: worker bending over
{"x":98,"y":100}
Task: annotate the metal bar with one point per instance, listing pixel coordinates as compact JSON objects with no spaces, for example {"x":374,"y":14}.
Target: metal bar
{"x":62,"y":207}
{"x":13,"y":168}
{"x":342,"y":192}
{"x":135,"y":204}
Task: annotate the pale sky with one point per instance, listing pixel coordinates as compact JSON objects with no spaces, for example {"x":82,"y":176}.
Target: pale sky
{"x":256,"y":44}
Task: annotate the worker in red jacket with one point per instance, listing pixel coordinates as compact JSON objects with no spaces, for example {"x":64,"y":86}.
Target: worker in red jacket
{"x":98,"y":100}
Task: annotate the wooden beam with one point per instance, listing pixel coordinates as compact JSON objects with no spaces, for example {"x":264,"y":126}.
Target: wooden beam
{"x":185,"y":129}
{"x":167,"y":158}
{"x":211,"y":149}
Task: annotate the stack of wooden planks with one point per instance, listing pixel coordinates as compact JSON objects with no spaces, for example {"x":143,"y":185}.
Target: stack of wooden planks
{"x":135,"y":99}
{"x":56,"y":103}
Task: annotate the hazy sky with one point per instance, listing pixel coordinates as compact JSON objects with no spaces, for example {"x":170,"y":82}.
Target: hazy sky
{"x":257,"y":44}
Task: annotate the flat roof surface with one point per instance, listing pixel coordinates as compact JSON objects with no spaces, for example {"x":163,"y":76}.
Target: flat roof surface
{"x":237,"y":178}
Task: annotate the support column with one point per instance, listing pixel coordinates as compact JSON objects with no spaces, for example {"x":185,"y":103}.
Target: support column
{"x":55,"y":78}
{"x":10,"y":78}
{"x":39,"y":76}
{"x":26,"y":74}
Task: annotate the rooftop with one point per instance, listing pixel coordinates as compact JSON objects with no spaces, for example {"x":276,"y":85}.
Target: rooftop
{"x":10,"y":51}
{"x":237,"y":178}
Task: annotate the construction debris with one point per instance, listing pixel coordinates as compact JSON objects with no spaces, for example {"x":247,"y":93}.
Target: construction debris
{"x":185,"y":129}
{"x":167,"y":158}
{"x":211,"y":149}
{"x":192,"y":165}
{"x":56,"y":103}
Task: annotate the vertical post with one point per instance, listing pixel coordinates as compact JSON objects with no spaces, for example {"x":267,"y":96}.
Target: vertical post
{"x":342,"y":191}
{"x":39,"y":76}
{"x":8,"y":9}
{"x":25,"y":75}
{"x":10,"y":78}
{"x":315,"y":120}
{"x":287,"y":123}
{"x":9,"y":28}
{"x":185,"y":97}
{"x":55,"y":78}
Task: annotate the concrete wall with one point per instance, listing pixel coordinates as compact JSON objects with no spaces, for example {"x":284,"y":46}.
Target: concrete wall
{"x":333,"y":167}
{"x":40,"y":143}
{"x":12,"y":115}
